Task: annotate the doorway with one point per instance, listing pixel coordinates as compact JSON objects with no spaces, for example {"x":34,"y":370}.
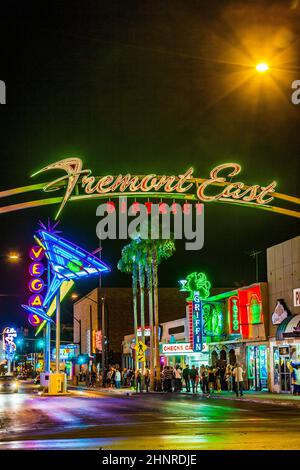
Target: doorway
{"x":257,"y":368}
{"x":285,"y":374}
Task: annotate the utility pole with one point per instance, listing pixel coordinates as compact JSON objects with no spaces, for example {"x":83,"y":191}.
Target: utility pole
{"x":57,"y":330}
{"x":47,"y":333}
{"x":91,"y":338}
{"x":103,"y":341}
{"x":255,"y":254}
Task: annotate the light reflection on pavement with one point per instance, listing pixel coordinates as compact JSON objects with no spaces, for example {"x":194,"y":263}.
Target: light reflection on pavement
{"x":91,"y":420}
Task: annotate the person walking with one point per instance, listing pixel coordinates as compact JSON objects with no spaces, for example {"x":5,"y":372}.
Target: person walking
{"x":93,"y":379}
{"x":113,"y":375}
{"x":238,"y":378}
{"x":147,"y":378}
{"x":228,"y":377}
{"x":186,"y":378}
{"x":193,"y":377}
{"x":124,"y":377}
{"x":178,"y":378}
{"x":167,"y":376}
{"x":197,"y":379}
{"x":211,"y":380}
{"x":218,"y":379}
{"x":87,"y":379}
{"x":108,"y":378}
{"x":138,"y":380}
{"x":203,"y":379}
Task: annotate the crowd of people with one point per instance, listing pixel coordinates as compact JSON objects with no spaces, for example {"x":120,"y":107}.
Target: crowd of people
{"x":205,"y":379}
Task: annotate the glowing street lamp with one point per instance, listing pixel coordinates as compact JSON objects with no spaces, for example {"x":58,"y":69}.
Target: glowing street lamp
{"x":11,"y":256}
{"x":74,"y":296}
{"x":262,"y":67}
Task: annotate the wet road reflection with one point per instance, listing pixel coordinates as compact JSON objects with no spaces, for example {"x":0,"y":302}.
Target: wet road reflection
{"x":91,"y":421}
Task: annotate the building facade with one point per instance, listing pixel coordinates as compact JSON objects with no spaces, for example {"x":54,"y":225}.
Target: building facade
{"x":118,"y":309}
{"x":283,"y":261}
{"x":234,"y":329}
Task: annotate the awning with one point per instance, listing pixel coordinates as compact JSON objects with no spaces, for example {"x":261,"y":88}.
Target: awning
{"x":289,"y":328}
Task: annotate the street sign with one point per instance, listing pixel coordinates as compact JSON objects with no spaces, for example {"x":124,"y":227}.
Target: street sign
{"x":140,"y":349}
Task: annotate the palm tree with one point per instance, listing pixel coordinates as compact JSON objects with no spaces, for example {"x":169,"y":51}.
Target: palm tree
{"x":161,"y":249}
{"x":139,"y":250}
{"x":142,"y":257}
{"x":149,"y":277}
{"x":127,"y":265}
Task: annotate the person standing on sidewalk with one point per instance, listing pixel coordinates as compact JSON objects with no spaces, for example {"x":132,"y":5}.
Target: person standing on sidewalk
{"x":87,"y":379}
{"x":193,"y":377}
{"x":147,"y":378}
{"x":178,"y":379}
{"x":138,"y":380}
{"x":203,"y":379}
{"x":218,"y":379}
{"x":238,"y":378}
{"x":211,"y":380}
{"x":118,"y":379}
{"x":296,"y":378}
{"x":197,"y":379}
{"x":93,"y":378}
{"x":186,"y":377}
{"x":228,"y":377}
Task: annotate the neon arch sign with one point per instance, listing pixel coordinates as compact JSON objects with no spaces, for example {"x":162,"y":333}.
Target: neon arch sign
{"x":78,"y":184}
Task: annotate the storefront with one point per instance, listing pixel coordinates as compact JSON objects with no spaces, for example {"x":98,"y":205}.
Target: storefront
{"x":182,"y":354}
{"x":68,"y":354}
{"x":285,"y":351}
{"x":257,"y":367}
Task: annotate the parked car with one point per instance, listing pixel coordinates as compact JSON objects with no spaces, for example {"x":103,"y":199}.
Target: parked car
{"x":8,"y":384}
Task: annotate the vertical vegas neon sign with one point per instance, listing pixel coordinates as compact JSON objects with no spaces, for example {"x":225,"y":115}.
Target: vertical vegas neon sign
{"x":36,"y":284}
{"x":197,"y":323}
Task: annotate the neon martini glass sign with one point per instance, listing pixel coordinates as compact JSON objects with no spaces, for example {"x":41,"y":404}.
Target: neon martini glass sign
{"x":68,"y":262}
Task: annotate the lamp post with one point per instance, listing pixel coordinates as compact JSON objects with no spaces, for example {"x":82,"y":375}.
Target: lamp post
{"x":57,"y":346}
{"x":103,"y":356}
{"x":103,"y":328}
{"x":79,"y":323}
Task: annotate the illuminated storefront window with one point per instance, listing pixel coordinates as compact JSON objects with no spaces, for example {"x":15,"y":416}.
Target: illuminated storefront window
{"x":257,"y":367}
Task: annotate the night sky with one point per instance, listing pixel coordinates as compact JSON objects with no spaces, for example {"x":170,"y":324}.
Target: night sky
{"x":150,"y":87}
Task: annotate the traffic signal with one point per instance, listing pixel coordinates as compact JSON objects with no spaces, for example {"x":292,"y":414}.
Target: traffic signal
{"x":41,"y":343}
{"x":83,"y":359}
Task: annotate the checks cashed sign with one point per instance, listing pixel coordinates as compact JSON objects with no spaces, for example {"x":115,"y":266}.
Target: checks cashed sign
{"x":176,"y":348}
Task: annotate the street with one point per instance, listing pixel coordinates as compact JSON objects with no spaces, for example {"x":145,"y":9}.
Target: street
{"x":93,"y":420}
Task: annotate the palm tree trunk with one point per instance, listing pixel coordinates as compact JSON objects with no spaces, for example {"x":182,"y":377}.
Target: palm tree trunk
{"x":156,"y":321}
{"x":135,"y":311}
{"x":151,"y":322}
{"x":142,"y":306}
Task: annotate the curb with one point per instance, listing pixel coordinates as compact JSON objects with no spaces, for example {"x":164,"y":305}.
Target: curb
{"x":260,"y":401}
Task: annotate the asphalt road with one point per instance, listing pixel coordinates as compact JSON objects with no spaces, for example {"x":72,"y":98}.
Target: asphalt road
{"x":90,"y":421}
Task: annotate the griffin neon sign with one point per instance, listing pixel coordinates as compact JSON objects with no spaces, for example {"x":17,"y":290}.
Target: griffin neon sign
{"x":77,"y":183}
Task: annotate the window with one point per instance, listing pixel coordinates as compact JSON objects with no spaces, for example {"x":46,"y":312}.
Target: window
{"x":176,"y":329}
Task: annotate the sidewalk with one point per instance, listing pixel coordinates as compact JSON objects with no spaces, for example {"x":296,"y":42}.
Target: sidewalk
{"x":83,"y":387}
{"x":249,"y":396}
{"x":257,"y":397}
